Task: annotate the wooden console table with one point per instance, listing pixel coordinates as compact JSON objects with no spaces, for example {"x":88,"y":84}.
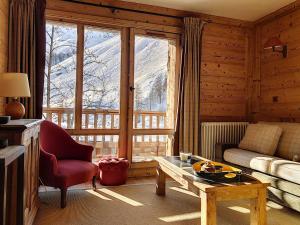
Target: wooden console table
{"x":211,"y":192}
{"x":26,"y":132}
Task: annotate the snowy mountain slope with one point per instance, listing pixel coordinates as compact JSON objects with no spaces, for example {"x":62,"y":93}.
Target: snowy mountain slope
{"x":102,"y":70}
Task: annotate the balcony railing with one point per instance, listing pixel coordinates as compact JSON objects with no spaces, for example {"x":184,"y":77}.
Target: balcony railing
{"x":107,"y":119}
{"x":143,"y":145}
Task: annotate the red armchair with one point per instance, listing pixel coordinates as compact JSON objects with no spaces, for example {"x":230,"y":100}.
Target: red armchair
{"x":63,"y":161}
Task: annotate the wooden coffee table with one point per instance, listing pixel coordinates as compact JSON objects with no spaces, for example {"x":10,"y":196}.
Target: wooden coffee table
{"x":212,"y":192}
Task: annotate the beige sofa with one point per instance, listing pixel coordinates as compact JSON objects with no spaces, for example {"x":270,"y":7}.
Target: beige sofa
{"x":282,"y":169}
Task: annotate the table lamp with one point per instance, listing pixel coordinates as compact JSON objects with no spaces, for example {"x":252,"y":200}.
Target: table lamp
{"x":14,"y":85}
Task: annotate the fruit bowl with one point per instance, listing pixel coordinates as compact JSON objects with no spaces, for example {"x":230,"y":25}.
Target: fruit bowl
{"x":215,"y":171}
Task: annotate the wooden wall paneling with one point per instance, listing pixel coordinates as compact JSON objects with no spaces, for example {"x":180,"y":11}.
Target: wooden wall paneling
{"x":280,"y":77}
{"x":225,"y":70}
{"x":223,"y":110}
{"x":255,"y":98}
{"x":3,"y":42}
{"x":249,"y":64}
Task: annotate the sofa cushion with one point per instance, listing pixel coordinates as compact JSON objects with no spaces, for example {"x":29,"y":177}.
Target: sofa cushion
{"x":249,"y":159}
{"x":278,"y":183}
{"x":286,"y":169}
{"x":261,"y":138}
{"x":289,"y":143}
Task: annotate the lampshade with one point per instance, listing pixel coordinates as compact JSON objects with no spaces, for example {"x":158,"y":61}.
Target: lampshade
{"x":273,"y":42}
{"x":14,"y":85}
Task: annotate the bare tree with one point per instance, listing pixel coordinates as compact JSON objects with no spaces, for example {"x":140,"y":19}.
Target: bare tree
{"x":98,"y":82}
{"x":99,"y":88}
{"x":138,"y":98}
{"x":55,"y":40}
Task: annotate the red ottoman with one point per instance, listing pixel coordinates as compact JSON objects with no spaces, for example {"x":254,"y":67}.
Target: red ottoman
{"x":113,"y":171}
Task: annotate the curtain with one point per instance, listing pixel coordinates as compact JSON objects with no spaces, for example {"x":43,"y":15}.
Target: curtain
{"x":26,"y":52}
{"x":187,"y":135}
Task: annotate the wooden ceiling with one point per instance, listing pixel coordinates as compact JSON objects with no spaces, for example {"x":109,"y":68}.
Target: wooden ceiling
{"x":249,"y":10}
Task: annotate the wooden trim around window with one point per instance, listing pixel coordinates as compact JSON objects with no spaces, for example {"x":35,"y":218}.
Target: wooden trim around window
{"x":99,"y":21}
{"x":123,"y":138}
{"x":79,"y":76}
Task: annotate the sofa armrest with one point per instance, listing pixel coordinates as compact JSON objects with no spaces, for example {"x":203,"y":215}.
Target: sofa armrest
{"x":220,"y":149}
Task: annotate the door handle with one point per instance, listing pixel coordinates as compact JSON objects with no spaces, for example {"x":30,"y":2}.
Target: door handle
{"x":131,"y":88}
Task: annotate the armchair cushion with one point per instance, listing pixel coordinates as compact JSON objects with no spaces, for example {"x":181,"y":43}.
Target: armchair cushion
{"x":71,"y":172}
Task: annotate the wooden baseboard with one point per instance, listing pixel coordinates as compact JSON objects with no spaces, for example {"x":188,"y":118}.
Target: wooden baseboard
{"x":142,"y":172}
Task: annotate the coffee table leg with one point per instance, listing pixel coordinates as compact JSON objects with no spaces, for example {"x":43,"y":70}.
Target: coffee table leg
{"x":208,"y":208}
{"x":258,"y":212}
{"x":160,"y":182}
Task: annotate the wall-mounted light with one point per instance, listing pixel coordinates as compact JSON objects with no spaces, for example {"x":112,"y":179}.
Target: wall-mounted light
{"x":276,"y":45}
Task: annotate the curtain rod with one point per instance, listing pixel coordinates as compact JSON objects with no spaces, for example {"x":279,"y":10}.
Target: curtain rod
{"x":113,"y":8}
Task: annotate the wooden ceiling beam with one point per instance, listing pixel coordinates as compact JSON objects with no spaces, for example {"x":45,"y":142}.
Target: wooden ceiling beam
{"x":92,"y":10}
{"x":66,"y":16}
{"x":163,"y":11}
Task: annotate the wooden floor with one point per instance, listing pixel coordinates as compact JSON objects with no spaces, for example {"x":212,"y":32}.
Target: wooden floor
{"x":137,"y":204}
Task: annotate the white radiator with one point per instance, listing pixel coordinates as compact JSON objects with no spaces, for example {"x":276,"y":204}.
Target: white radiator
{"x":220,"y":132}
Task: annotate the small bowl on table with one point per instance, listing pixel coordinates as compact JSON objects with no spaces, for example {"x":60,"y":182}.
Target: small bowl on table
{"x":4,"y":119}
{"x":3,"y":143}
{"x":185,"y":156}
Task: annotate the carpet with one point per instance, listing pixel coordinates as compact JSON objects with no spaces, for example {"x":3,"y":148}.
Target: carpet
{"x":137,"y":204}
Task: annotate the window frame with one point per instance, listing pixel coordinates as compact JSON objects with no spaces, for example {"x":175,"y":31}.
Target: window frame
{"x":125,"y":130}
{"x":154,"y":131}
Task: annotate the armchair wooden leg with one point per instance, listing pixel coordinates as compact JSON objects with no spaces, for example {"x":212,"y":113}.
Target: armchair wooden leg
{"x":94,"y":183}
{"x":63,"y":198}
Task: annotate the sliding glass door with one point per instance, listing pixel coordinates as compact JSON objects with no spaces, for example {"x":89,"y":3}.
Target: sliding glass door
{"x":154,"y":95}
{"x":101,"y":87}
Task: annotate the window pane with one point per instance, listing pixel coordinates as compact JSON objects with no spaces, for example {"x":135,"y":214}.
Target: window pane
{"x":101,"y":78}
{"x":145,"y":147}
{"x":60,"y":73}
{"x":154,"y":83}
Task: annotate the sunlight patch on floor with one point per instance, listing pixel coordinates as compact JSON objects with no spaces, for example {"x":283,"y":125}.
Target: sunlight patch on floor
{"x":181,"y":217}
{"x":96,"y":193}
{"x":120,"y":197}
{"x":183,"y":191}
{"x":239,"y":209}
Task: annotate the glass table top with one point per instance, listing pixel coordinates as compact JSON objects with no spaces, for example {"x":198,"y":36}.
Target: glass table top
{"x":187,"y":166}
